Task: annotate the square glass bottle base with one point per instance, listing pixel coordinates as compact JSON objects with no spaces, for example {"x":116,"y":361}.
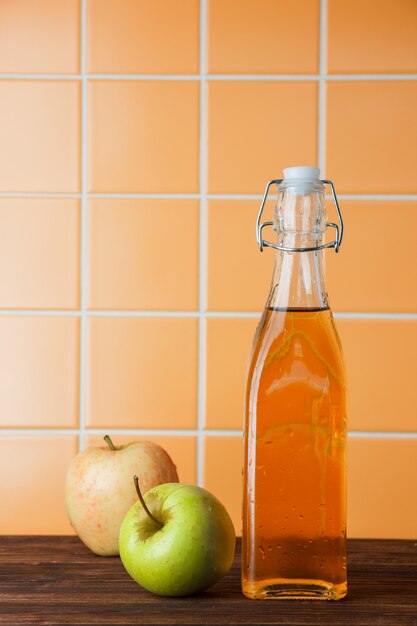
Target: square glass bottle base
{"x":294,"y":589}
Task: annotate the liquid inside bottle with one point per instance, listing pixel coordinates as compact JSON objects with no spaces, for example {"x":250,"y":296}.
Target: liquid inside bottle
{"x":294,"y":514}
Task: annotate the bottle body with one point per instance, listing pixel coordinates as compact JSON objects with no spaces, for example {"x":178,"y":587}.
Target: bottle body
{"x":295,"y":472}
{"x":294,"y":512}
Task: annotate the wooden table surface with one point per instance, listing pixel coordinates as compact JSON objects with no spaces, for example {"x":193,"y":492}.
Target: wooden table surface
{"x":57,"y":580}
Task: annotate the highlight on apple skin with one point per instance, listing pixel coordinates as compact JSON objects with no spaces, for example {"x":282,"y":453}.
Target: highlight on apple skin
{"x":99,"y":489}
{"x":181,"y":542}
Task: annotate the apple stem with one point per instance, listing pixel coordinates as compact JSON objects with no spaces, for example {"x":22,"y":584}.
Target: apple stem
{"x":143,"y":503}
{"x":109,"y":442}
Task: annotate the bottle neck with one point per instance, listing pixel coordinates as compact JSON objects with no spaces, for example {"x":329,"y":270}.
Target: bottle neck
{"x":298,"y":279}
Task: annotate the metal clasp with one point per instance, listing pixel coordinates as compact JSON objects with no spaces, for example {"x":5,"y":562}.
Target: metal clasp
{"x":336,"y":243}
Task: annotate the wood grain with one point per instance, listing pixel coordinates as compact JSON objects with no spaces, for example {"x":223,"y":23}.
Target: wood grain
{"x":57,"y":580}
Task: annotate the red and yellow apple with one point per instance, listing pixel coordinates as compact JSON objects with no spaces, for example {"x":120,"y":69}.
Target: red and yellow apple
{"x":99,"y":488}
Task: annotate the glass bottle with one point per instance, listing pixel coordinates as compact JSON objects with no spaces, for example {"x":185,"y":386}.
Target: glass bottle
{"x":294,"y":511}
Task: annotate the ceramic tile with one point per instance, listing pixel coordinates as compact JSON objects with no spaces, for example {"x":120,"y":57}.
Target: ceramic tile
{"x":243,"y":37}
{"x":39,"y":371}
{"x":141,"y":372}
{"x":182,"y":450}
{"x":239,"y":275}
{"x":381,"y":488}
{"x":143,"y":136}
{"x":223,"y":462}
{"x":255,"y":129}
{"x":380,"y":361}
{"x":40,"y":131}
{"x":228,"y":346}
{"x":140,"y":37}
{"x":39,"y":240}
{"x":35,"y":495}
{"x":370,"y":273}
{"x":39,"y":37}
{"x":143,"y":254}
{"x":372,"y":136}
{"x":371,"y":37}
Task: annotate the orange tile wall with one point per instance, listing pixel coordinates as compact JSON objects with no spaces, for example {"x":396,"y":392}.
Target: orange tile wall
{"x":136,"y":140}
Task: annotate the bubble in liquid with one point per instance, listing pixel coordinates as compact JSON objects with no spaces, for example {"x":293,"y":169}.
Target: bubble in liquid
{"x":262,"y":551}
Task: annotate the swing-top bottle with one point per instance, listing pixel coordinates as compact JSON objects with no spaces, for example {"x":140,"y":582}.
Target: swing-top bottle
{"x":294,"y":513}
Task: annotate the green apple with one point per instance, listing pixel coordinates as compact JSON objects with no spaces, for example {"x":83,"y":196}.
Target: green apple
{"x":177,"y":540}
{"x":99,"y":489}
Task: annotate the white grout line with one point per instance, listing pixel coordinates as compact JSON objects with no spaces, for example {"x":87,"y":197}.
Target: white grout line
{"x":186,"y":432}
{"x":322,"y":90}
{"x":39,"y":431}
{"x":197,"y":196}
{"x":304,"y":77}
{"x":143,"y":313}
{"x":226,"y":314}
{"x":376,"y":316}
{"x":40,"y":312}
{"x":15,"y":194}
{"x":354,"y":77}
{"x":196,"y":77}
{"x":48,"y":77}
{"x":202,"y":252}
{"x":157,"y":196}
{"x":235,"y":196}
{"x":223,"y":433}
{"x":264,"y":77}
{"x":375,"y":196}
{"x":191,"y":314}
{"x":381,"y":435}
{"x":151,"y":77}
{"x":83,"y":231}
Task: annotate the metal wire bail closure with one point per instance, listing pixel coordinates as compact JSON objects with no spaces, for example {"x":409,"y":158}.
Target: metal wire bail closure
{"x":336,"y":243}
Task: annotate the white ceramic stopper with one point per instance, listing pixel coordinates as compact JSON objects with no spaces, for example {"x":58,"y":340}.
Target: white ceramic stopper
{"x":302,"y":178}
{"x":302,"y":172}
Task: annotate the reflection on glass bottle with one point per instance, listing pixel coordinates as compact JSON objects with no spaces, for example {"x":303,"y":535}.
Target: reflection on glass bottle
{"x":294,"y":514}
